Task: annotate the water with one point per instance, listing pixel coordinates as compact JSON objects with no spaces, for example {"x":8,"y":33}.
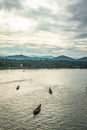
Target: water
{"x":65,"y":109}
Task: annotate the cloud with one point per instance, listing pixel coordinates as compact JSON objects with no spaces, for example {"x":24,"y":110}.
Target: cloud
{"x":10,"y":4}
{"x":43,"y":49}
{"x":81,"y":36}
{"x":44,"y":17}
{"x":43,"y":27}
{"x":78,"y":18}
{"x":79,"y":13}
{"x":39,"y":13}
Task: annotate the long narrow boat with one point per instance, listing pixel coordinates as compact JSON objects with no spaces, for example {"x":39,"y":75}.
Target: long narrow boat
{"x":50,"y":91}
{"x":37,"y":110}
{"x":17,"y":87}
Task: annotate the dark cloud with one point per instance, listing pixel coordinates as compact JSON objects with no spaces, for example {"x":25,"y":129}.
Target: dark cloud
{"x":79,"y":12}
{"x":10,"y":4}
{"x":81,"y":36}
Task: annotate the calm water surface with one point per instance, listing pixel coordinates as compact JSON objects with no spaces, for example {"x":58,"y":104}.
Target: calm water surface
{"x":65,"y":109}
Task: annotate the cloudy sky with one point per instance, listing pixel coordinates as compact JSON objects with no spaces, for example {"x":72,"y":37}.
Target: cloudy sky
{"x":43,"y":27}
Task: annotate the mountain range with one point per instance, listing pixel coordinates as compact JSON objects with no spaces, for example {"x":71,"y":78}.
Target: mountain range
{"x":62,"y":57}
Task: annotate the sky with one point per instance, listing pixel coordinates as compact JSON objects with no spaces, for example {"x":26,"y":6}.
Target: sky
{"x":43,"y":27}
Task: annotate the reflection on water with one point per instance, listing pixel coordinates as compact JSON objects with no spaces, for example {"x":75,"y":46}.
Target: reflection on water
{"x":65,"y":109}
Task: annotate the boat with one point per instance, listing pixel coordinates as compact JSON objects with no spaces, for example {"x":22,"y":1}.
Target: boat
{"x":37,"y":110}
{"x":50,"y":91}
{"x":17,"y":87}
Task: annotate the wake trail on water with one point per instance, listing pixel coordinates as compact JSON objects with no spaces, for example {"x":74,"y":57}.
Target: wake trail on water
{"x":22,"y":80}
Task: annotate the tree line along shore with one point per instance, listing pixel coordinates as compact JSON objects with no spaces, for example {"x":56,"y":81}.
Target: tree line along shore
{"x":36,"y":64}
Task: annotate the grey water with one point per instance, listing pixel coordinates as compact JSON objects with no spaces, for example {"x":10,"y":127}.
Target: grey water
{"x":65,"y":109}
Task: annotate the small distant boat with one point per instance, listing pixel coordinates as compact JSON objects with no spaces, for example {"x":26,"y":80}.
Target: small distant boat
{"x":17,"y":87}
{"x":37,"y":110}
{"x":50,"y":91}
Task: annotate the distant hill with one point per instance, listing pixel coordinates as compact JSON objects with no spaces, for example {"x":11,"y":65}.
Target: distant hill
{"x":82,"y":59}
{"x":23,"y":57}
{"x":63,"y":57}
{"x":1,"y":57}
{"x":59,"y":58}
{"x":17,"y":57}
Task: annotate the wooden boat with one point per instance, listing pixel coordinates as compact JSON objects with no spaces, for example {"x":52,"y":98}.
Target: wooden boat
{"x":37,"y":110}
{"x":17,"y":87}
{"x":50,"y":91}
